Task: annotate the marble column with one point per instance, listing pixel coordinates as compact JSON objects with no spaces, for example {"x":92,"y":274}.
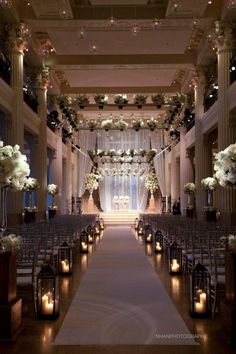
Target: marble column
{"x":68,"y":178}
{"x":41,"y":145}
{"x":203,"y":154}
{"x":226,"y":123}
{"x":186,"y":169}
{"x":173,"y":175}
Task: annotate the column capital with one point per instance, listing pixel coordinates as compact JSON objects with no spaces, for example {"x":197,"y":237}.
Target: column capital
{"x":199,"y":76}
{"x":18,"y":36}
{"x":224,"y":37}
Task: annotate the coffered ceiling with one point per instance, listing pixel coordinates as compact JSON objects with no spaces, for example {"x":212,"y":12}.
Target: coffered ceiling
{"x":88,"y":53}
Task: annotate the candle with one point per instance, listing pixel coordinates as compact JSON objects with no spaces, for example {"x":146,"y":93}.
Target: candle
{"x":158,"y":247}
{"x":140,"y":230}
{"x":149,"y":237}
{"x":84,"y":246}
{"x":90,"y":238}
{"x":65,"y":268}
{"x":201,"y":306}
{"x":47,"y":304}
{"x":174,"y":266}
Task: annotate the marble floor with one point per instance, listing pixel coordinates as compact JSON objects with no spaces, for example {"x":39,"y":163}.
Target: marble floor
{"x":37,"y":336}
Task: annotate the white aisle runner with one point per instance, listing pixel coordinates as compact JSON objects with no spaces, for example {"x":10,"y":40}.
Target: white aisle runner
{"x":121,"y":300}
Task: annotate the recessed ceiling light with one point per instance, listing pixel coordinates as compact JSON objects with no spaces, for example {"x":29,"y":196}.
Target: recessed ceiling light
{"x":94,"y":49}
{"x":209,"y":2}
{"x":156,"y":23}
{"x":111,"y":21}
{"x":81,"y":34}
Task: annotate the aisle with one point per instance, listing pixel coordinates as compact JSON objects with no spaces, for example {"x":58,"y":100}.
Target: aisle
{"x":121,"y":300}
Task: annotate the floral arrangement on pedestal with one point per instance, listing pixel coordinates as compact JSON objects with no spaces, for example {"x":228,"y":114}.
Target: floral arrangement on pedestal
{"x":158,"y":100}
{"x":106,"y":124}
{"x":91,"y":182}
{"x":53,"y":190}
{"x":140,"y":99}
{"x":152,"y":124}
{"x":151,"y":182}
{"x":189,"y":189}
{"x":137,"y":124}
{"x":10,"y":243}
{"x":82,"y":100}
{"x":209,"y":184}
{"x":30,"y":185}
{"x":225,"y":166}
{"x":121,"y":124}
{"x":13,"y":171}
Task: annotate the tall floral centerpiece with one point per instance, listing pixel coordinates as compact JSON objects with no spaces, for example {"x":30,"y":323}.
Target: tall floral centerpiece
{"x":151,"y":182}
{"x":13,"y":171}
{"x":121,"y":100}
{"x":31,"y":185}
{"x":190,"y":189}
{"x":225,"y":166}
{"x":53,"y":190}
{"x":209,"y":184}
{"x":91,"y":182}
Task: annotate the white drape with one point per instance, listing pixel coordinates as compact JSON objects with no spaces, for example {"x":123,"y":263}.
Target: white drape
{"x":157,"y":140}
{"x":131,"y":186}
{"x":87,"y":141}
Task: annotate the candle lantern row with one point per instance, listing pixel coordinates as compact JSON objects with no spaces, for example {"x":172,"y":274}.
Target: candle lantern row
{"x":200,"y":292}
{"x":148,"y":235}
{"x":175,"y":258}
{"x":47,"y":293}
{"x":158,"y":241}
{"x":65,"y":258}
{"x":84,"y":242}
{"x":90,"y":232}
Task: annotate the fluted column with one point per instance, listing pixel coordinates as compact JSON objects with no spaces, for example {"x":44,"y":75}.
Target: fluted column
{"x":203,"y":154}
{"x":56,"y":169}
{"x":17,"y":41}
{"x":68,"y":172}
{"x":186,"y":170}
{"x":226,"y":127}
{"x":41,"y":145}
{"x":75,"y":177}
{"x":173,"y":175}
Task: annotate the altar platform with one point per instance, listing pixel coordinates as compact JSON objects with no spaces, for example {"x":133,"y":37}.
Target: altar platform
{"x":119,"y":217}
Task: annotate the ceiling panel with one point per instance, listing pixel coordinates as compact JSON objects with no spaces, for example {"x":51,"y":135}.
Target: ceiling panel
{"x":121,"y":42}
{"x":120,"y":78}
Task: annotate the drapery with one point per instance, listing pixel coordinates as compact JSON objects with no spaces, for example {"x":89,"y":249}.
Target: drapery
{"x":87,"y":141}
{"x":157,"y":141}
{"x":131,"y":186}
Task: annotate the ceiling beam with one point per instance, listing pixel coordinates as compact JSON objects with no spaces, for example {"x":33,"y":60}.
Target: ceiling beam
{"x":66,"y":89}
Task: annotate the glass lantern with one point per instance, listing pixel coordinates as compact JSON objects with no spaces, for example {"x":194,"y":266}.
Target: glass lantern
{"x":47,"y":293}
{"x":65,"y":258}
{"x":148,"y":234}
{"x":158,"y":242}
{"x":102,"y":226}
{"x":97,"y":228}
{"x":175,"y":258}
{"x":90,"y":232}
{"x":140,"y":228}
{"x":200,"y":290}
{"x":136,"y":224}
{"x":84,"y":242}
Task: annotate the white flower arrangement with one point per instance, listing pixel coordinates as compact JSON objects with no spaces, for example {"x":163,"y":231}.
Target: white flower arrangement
{"x":152,"y":124}
{"x":151,"y":181}
{"x":120,"y":171}
{"x":52,"y":189}
{"x":225,"y":166}
{"x":139,"y":99}
{"x":229,"y":240}
{"x":121,"y":124}
{"x":91,"y":181}
{"x":189,"y":188}
{"x":82,"y":100}
{"x":121,"y":99}
{"x":101,"y":99}
{"x":31,"y":184}
{"x":137,"y":124}
{"x":106,"y":124}
{"x":209,"y":183}
{"x":13,"y":167}
{"x":10,"y":242}
{"x":158,"y":100}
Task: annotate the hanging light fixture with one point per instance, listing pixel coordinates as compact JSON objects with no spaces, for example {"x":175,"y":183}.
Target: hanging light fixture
{"x":111,"y":21}
{"x":156,"y":23}
{"x":6,"y":4}
{"x":82,"y":34}
{"x":135,"y":29}
{"x":94,"y":49}
{"x":63,"y":9}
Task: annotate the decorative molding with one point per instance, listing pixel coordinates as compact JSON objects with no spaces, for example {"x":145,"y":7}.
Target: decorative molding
{"x":224,"y":36}
{"x":31,"y":120}
{"x":210,"y":118}
{"x":18,"y":36}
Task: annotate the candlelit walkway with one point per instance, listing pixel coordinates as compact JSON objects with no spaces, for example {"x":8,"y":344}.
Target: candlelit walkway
{"x":121,"y":300}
